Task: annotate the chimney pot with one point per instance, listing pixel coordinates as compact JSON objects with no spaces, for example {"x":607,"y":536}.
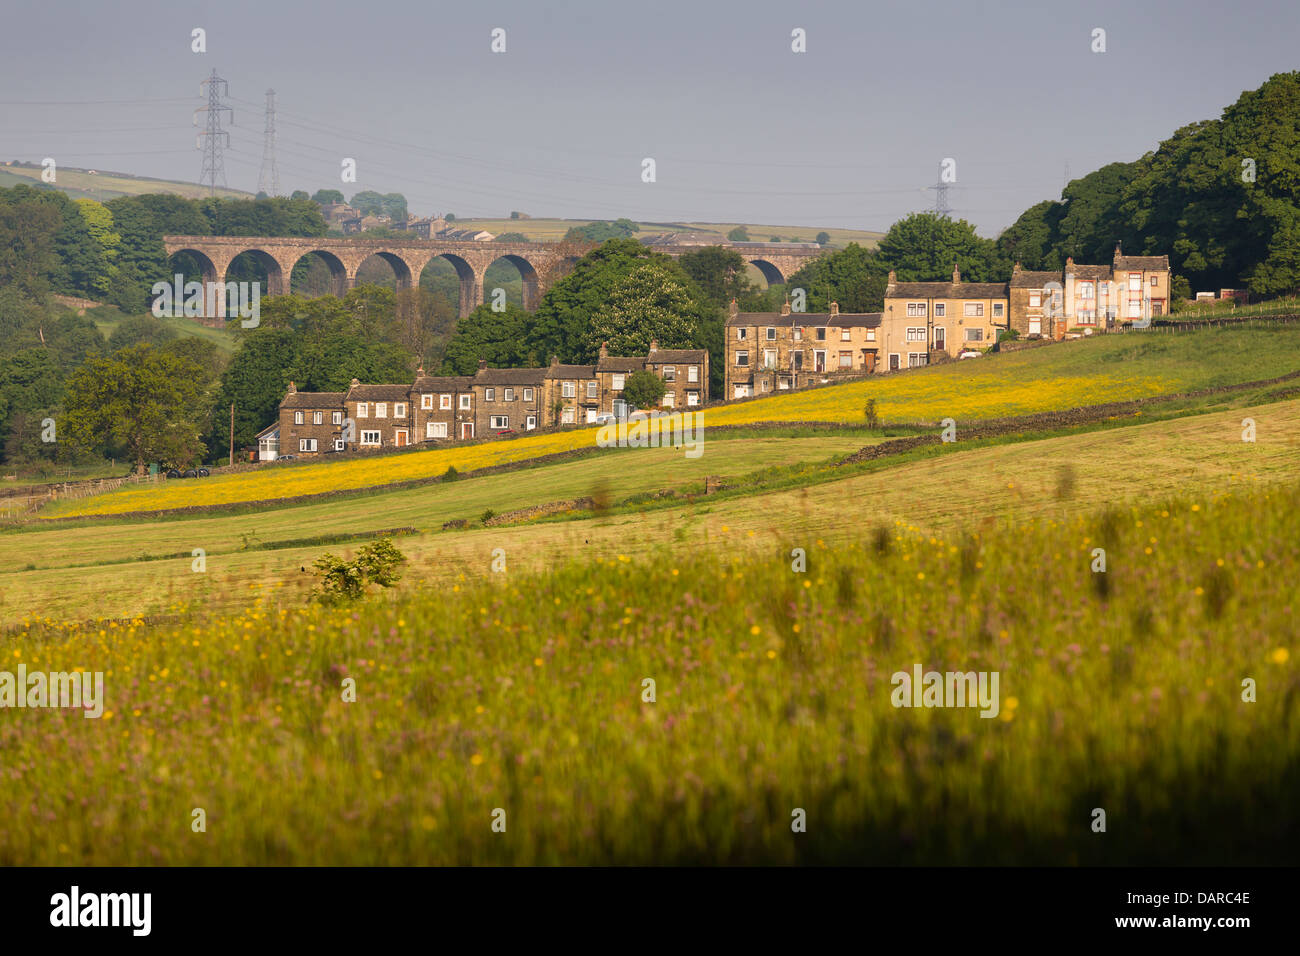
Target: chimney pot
{"x":835,"y":308}
{"x":356,"y":382}
{"x":482,"y":364}
{"x":785,"y":308}
{"x":956,"y":274}
{"x":654,"y":345}
{"x":292,"y":387}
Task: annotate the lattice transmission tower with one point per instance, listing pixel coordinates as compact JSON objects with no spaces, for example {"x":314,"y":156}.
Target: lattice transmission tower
{"x":941,"y":207}
{"x":213,"y":138}
{"x":268,"y":180}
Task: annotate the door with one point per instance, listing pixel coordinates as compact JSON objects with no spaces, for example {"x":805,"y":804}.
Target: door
{"x":402,"y":440}
{"x":466,"y":429}
{"x":893,"y":361}
{"x":939,"y":345}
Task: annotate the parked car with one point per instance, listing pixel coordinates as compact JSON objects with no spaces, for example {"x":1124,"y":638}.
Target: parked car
{"x":191,"y":473}
{"x":286,"y":458}
{"x":173,"y":473}
{"x":203,"y":473}
{"x":604,"y":418}
{"x":508,"y":431}
{"x":969,"y":353}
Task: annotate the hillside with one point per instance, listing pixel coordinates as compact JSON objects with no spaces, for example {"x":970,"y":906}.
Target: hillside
{"x":554,"y":229}
{"x":103,"y":185}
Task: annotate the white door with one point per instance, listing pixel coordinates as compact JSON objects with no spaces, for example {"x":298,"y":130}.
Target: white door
{"x":591,"y":415}
{"x":1035,"y":326}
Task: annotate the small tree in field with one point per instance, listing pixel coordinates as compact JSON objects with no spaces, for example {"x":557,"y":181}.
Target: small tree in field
{"x":345,"y":581}
{"x":644,"y":389}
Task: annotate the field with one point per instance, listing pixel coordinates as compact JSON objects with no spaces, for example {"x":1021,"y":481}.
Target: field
{"x":674,"y":676}
{"x":554,"y":229}
{"x":103,"y":186}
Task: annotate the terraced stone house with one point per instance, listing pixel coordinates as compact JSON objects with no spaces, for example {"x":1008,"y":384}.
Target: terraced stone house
{"x":773,"y":352}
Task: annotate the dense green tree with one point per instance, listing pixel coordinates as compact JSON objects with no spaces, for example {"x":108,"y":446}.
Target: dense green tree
{"x":924,"y":246}
{"x":644,"y":389}
{"x":823,"y":238}
{"x":602,"y":231}
{"x":135,"y":329}
{"x":650,"y":304}
{"x":27,"y":258}
{"x":853,"y":277}
{"x":739,"y":234}
{"x":495,"y":337}
{"x":1032,"y":239}
{"x":299,"y":194}
{"x":719,"y":273}
{"x":143,"y":400}
{"x":325,"y":197}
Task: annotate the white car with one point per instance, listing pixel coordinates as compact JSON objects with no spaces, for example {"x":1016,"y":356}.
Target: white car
{"x":968,"y":353}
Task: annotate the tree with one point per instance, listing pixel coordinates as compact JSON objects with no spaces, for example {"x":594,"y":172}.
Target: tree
{"x":136,"y":329}
{"x":923,"y":247}
{"x":27,"y":231}
{"x":495,"y":337}
{"x":602,"y":231}
{"x":143,"y":399}
{"x":823,"y":238}
{"x":651,"y":304}
{"x":644,"y":389}
{"x":853,"y":277}
{"x":739,"y":234}
{"x":99,"y":223}
{"x":299,"y":194}
{"x":511,"y":237}
{"x":719,"y":273}
{"x":325,"y":197}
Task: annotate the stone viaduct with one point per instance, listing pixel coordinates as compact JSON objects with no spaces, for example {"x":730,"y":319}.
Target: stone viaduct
{"x":539,"y":263}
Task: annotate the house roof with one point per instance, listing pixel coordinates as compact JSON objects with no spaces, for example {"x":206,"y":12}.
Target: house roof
{"x":313,"y":400}
{"x":379,"y":393}
{"x":1034,"y":280}
{"x":441,"y":383}
{"x":1149,"y":263}
{"x":571,"y":371}
{"x":660,"y":356}
{"x":947,"y":290}
{"x":842,"y":320}
{"x":509,"y":376}
{"x":1091,"y":272}
{"x":620,"y":363}
{"x":270,"y":431}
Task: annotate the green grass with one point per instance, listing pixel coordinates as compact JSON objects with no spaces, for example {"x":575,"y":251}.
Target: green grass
{"x":108,"y":318}
{"x":102,"y":186}
{"x":772,"y":693}
{"x":553,"y":229}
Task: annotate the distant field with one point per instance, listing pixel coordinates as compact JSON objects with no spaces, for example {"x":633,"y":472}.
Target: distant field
{"x":225,"y":341}
{"x":79,"y":184}
{"x":552,"y":229}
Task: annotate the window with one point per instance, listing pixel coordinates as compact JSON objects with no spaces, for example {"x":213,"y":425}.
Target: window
{"x":370,"y":438}
{"x":1086,"y":290}
{"x":974,"y":335}
{"x":997,"y":309}
{"x":1035,"y":300}
{"x":363,"y":409}
{"x":381,"y":409}
{"x":1155,"y":281}
{"x":742,"y":334}
{"x":796,"y":360}
{"x":426,"y":401}
{"x":306,"y":444}
{"x":974,"y":308}
{"x":1135,"y":281}
{"x":297,"y":418}
{"x":846,"y":360}
{"x":821,"y":334}
{"x":465,"y":402}
{"x":670,"y":373}
{"x":669,"y":399}
{"x":336,"y":418}
{"x":917,"y":359}
{"x":569,"y":389}
{"x":510,"y":395}
{"x":1086,"y":316}
{"x":771,"y":334}
{"x":317,"y":418}
{"x":444,"y":401}
{"x":500,"y":421}
{"x":532,"y":422}
{"x":871,"y":335}
{"x":916,"y":334}
{"x":742,"y":358}
{"x":893,"y":361}
{"x":528,"y":395}
{"x":435,"y":429}
{"x":769,"y":358}
{"x":489,"y":394}
{"x":567,"y":417}
{"x":692,"y":398}
{"x":940,"y":309}
{"x":338,"y":444}
{"x":399,"y":409}
{"x":915,"y":309}
{"x":617,"y":383}
{"x":693,"y":373}
{"x":592,"y":390}
{"x":798,"y":334}
{"x":844,"y":335}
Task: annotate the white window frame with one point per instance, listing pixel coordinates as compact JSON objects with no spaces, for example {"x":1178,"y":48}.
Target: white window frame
{"x":693,"y":373}
{"x":568,"y":389}
{"x":616,"y":381}
{"x":489,"y":394}
{"x":336,"y":418}
{"x":593,"y":390}
{"x":432,"y":429}
{"x":916,"y":333}
{"x":692,"y":398}
{"x":973,"y":310}
{"x":297,"y":418}
{"x":374,"y":438}
{"x":742,"y":333}
{"x":509,"y":395}
{"x":670,"y":373}
{"x":466,"y":402}
{"x":940,"y":310}
{"x":306,"y":444}
{"x":975,"y":334}
{"x":916,"y":310}
{"x":670,"y":399}
{"x":771,"y":333}
{"x":444,"y":403}
{"x":363,"y":409}
{"x":426,"y":401}
{"x":567,"y":415}
{"x":528,"y":395}
{"x":742,"y":359}
{"x":381,"y":409}
{"x":399,"y":409}
{"x":998,"y":309}
{"x":1035,"y":299}
{"x":318,"y":418}
{"x":499,"y":421}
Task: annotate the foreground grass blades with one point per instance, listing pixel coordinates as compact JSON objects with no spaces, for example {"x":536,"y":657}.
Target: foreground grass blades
{"x":525,"y":693}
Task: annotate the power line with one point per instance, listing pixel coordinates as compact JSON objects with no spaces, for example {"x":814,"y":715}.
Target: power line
{"x":213,"y":138}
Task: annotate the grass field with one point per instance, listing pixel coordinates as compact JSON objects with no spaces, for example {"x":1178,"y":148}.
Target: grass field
{"x":102,"y":186}
{"x":107,"y":319}
{"x":1086,"y":372}
{"x":554,"y":229}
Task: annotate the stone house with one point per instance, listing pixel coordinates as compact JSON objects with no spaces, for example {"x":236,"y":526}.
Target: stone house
{"x":381,"y":415}
{"x":685,"y":373}
{"x":1085,"y":297}
{"x":572,"y":394}
{"x":310,"y":422}
{"x":769,"y":351}
{"x":506,"y":399}
{"x":441,"y":407}
{"x":925,"y":321}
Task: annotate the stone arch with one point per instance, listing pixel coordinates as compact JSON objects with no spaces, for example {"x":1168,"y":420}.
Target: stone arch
{"x":528,"y":275}
{"x":471,"y":283}
{"x":207,"y":268}
{"x":771,"y":273}
{"x":401,"y":268}
{"x":338,"y":272}
{"x":276,"y":278}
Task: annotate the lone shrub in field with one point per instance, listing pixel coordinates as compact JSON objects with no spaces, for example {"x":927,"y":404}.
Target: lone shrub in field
{"x":869,"y":412}
{"x":344,"y":581}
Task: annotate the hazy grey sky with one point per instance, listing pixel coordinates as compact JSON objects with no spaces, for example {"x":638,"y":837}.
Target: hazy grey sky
{"x":848,"y":134}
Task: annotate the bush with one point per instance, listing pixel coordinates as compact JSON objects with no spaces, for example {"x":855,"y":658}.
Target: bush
{"x":487,"y":516}
{"x":345,"y":581}
{"x":869,"y":412}
{"x":644,"y":389}
{"x":451,"y":474}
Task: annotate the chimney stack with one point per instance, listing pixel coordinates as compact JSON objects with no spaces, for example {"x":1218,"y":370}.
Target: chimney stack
{"x":604,"y":350}
{"x":835,"y":308}
{"x":893,"y":278}
{"x":956,"y":274}
{"x":654,"y":346}
{"x":293,"y":388}
{"x":356,"y":382}
{"x":785,"y":307}
{"x":555,"y":360}
{"x":482,"y":365}
{"x":734,"y":308}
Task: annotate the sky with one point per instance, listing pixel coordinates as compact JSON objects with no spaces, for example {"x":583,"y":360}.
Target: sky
{"x":849,"y":134}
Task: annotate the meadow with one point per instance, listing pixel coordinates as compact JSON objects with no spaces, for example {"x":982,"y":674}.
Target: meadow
{"x":1086,"y":372}
{"x":526,"y":695}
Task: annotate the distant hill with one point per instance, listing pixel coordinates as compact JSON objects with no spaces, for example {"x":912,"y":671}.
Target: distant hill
{"x":552,"y":229}
{"x":104,"y":185}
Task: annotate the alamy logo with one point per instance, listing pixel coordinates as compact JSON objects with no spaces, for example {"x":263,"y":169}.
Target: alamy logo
{"x":224,"y":299}
{"x":639,"y":430}
{"x":947,"y":689}
{"x":103,"y":909}
{"x":55,"y":689}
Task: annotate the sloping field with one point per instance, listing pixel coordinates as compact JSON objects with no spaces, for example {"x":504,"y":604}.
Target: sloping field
{"x":1051,"y":479}
{"x":1087,"y":372}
